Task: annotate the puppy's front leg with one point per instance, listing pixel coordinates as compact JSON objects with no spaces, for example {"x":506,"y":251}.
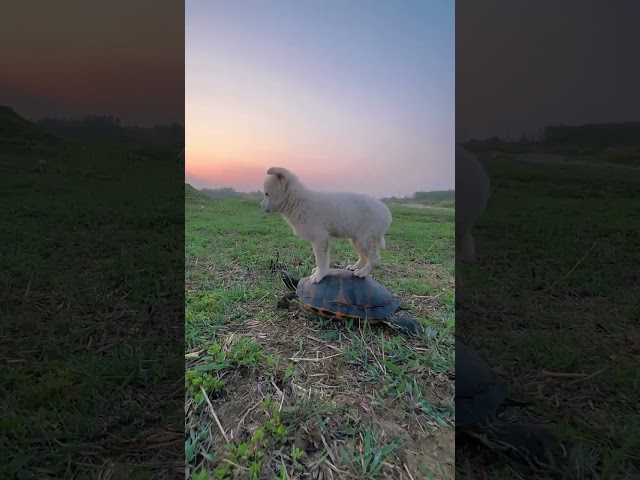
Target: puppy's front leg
{"x":321,"y":251}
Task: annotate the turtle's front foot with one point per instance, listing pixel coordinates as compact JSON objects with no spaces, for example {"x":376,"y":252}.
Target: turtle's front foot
{"x":285,"y":302}
{"x":408,"y":325}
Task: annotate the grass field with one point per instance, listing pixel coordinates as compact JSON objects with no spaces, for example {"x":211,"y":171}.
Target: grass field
{"x":281,"y":394}
{"x":553,"y":305}
{"x":88,"y":311}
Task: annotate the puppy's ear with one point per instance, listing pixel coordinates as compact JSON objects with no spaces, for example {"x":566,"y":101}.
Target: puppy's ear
{"x":281,"y":174}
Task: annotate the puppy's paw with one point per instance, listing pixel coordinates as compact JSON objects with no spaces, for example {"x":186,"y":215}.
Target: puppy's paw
{"x":313,"y":270}
{"x":356,"y":266}
{"x":362,"y":272}
{"x":317,"y":277}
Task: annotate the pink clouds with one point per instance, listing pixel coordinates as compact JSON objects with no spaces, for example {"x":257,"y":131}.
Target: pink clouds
{"x":318,"y":173}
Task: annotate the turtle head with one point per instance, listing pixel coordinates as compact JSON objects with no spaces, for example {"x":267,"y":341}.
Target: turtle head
{"x":289,"y":280}
{"x":408,"y":325}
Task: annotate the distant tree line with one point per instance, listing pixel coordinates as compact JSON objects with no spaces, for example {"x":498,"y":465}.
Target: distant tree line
{"x":224,"y":192}
{"x":436,"y":196}
{"x":229,"y":192}
{"x":93,"y":127}
{"x":594,"y":135}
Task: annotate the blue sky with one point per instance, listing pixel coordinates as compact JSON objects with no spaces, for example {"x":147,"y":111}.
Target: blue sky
{"x":349,"y":95}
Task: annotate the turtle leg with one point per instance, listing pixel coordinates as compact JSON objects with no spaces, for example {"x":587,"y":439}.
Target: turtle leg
{"x":535,"y":444}
{"x":407,"y":325}
{"x":285,"y":302}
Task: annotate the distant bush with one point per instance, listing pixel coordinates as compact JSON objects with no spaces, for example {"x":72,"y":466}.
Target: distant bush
{"x":109,"y":127}
{"x":230,"y":192}
{"x":224,"y":192}
{"x":595,"y":135}
{"x":436,"y":196}
{"x":587,"y":138}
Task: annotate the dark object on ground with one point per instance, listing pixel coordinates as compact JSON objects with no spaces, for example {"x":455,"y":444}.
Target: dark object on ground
{"x":479,"y":396}
{"x":341,"y":295}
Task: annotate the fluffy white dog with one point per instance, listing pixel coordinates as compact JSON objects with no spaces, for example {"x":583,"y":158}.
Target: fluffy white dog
{"x":472,"y":192}
{"x":317,"y":216}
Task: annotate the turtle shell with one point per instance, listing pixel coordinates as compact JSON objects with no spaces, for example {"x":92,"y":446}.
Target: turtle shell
{"x":342,"y":295}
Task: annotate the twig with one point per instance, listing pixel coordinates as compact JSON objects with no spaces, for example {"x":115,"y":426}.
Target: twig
{"x":303,"y":359}
{"x":28,"y":289}
{"x":570,"y":271}
{"x":213,"y":413}
{"x":324,"y":343}
{"x":281,"y":403}
{"x":277,"y":389}
{"x":407,"y":470}
{"x":235,"y":464}
{"x":241,"y":422}
{"x":326,"y":446}
{"x":547,"y":373}
{"x":330,"y":453}
{"x":429,"y":249}
{"x":589,"y":377}
{"x":425,"y":297}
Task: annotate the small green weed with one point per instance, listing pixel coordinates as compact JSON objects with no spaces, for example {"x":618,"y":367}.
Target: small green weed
{"x":305,"y":390}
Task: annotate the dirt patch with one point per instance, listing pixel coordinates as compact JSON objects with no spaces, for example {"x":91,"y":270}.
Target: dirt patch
{"x":326,"y":397}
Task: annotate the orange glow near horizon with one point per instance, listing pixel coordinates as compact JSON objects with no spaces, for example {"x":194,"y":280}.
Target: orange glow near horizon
{"x":277,"y":87}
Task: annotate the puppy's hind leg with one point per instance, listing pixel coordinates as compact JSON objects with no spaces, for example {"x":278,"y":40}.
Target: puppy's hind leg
{"x":321,"y":251}
{"x":362,"y":258}
{"x":467,"y":247}
{"x":371,"y":249}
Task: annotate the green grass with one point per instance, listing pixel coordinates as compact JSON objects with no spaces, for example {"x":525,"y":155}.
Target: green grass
{"x":551,"y":301}
{"x":299,"y":395}
{"x":90,"y":277}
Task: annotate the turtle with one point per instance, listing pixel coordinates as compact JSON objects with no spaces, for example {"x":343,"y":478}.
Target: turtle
{"x":480,"y":395}
{"x":341,"y":295}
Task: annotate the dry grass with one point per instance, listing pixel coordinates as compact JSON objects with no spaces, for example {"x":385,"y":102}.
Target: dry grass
{"x":297,"y":396}
{"x":550,"y":308}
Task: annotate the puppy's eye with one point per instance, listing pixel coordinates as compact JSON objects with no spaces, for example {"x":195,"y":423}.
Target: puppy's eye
{"x":266,"y":194}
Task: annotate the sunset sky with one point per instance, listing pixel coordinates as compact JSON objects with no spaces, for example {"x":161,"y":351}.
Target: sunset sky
{"x":355,"y":95}
{"x":75,"y":58}
{"x":523,"y":65}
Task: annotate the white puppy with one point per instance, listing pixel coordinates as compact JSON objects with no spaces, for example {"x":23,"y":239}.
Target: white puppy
{"x":472,"y":192}
{"x":317,"y":216}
